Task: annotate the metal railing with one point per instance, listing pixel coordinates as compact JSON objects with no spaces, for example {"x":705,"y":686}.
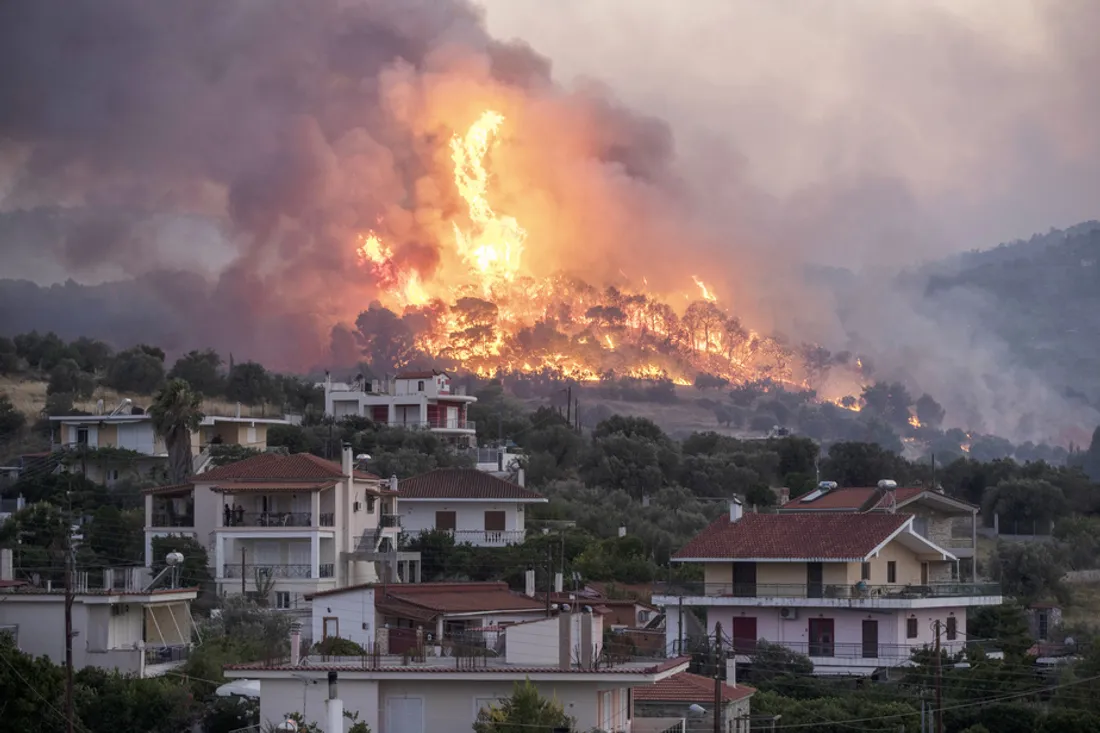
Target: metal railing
{"x":853,"y":649}
{"x":828,"y":590}
{"x":164,"y":519}
{"x":270,"y":519}
{"x":231,"y":570}
{"x":166,"y":654}
{"x":437,"y":424}
{"x":487,"y":537}
{"x":328,"y":519}
{"x":389,"y":520}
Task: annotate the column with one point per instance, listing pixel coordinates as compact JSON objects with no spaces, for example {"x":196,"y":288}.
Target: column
{"x":392,"y":413}
{"x":315,"y":554}
{"x":219,"y":556}
{"x":315,"y":509}
{"x":423,"y":411}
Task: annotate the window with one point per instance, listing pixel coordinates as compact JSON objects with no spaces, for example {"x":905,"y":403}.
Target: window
{"x":446,"y":521}
{"x":910,"y":628}
{"x":330,"y":627}
{"x":865,"y":571}
{"x":891,"y":572}
{"x":282,"y":599}
{"x":1044,"y":625}
{"x":420,"y":386}
{"x":494,"y":521}
{"x":82,"y":436}
{"x":952,"y":628}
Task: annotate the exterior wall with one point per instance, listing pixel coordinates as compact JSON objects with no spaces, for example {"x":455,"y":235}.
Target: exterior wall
{"x":447,"y":705}
{"x":354,"y":612}
{"x":536,"y":643}
{"x":701,"y":724}
{"x":418,"y":516}
{"x":908,"y":566}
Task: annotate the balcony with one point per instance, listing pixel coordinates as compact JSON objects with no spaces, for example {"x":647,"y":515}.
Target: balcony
{"x":275,"y":519}
{"x":859,"y":595}
{"x":437,"y":424}
{"x":854,"y":653}
{"x":167,"y":654}
{"x":293,"y":572}
{"x":488,"y":537}
{"x":167,"y":519}
{"x":389,"y":520}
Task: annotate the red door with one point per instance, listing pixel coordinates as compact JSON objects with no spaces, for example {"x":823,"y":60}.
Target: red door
{"x":743,"y":633}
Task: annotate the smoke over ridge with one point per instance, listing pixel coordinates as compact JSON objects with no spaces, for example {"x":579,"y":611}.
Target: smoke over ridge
{"x":220,"y":161}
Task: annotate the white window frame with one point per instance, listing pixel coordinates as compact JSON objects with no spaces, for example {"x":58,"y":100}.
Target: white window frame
{"x":279,"y":596}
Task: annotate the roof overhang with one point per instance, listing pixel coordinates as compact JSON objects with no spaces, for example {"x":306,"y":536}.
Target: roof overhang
{"x":100,"y":418}
{"x":436,"y":500}
{"x":941,"y":500}
{"x":153,"y":598}
{"x":911,"y":541}
{"x":768,"y":559}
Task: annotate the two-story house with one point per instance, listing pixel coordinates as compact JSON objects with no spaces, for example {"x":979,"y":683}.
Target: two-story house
{"x":950,"y":523}
{"x":422,"y":400}
{"x":478,"y":508}
{"x":130,"y":427}
{"x":854,"y":592}
{"x":284,"y":526}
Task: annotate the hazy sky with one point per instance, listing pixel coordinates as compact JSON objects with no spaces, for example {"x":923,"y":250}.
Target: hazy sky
{"x":969,"y":121}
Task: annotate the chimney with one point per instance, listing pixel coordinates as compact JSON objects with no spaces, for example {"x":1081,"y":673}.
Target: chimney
{"x":731,"y":671}
{"x":334,"y":707}
{"x":529,"y":583}
{"x":6,"y":569}
{"x":565,"y":638}
{"x":622,"y":530}
{"x":521,"y":477}
{"x":558,"y":580}
{"x":736,"y":510}
{"x":586,"y":638}
{"x":393,"y":482}
{"x":348,"y":460}
{"x":295,"y":644}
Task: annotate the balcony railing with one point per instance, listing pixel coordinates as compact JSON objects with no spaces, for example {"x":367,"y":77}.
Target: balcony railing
{"x":389,"y":520}
{"x":851,"y":649}
{"x":826,"y":590}
{"x":164,"y":519}
{"x":271,"y":519}
{"x":328,"y":519}
{"x":487,"y":537}
{"x":231,"y":570}
{"x":166,"y":654}
{"x":437,"y":424}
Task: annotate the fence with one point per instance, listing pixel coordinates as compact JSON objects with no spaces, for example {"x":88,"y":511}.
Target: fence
{"x":823,"y":590}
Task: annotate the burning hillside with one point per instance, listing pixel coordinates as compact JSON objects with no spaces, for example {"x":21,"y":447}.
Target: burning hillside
{"x":488,"y":310}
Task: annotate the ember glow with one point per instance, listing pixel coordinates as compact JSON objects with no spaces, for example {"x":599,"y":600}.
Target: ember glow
{"x":493,"y":314}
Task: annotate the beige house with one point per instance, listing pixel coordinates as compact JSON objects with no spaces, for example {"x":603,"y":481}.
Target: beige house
{"x":131,"y":428}
{"x":413,"y":694}
{"x":950,"y":523}
{"x":285,"y":526}
{"x":854,"y":592}
{"x":118,"y":626}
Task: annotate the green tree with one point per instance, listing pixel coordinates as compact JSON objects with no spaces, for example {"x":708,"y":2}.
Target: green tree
{"x":139,"y":370}
{"x":1030,"y":571}
{"x":202,"y":370}
{"x":249,"y":383}
{"x":1026,"y":502}
{"x":92,"y":355}
{"x":117,"y":537}
{"x":11,"y":419}
{"x":30,"y":689}
{"x":176,"y":414}
{"x":195,"y":571}
{"x":67,"y":377}
{"x":524,"y":711}
{"x":9,"y":358}
{"x":929,"y":412}
{"x":863,"y":464}
{"x":39,"y":535}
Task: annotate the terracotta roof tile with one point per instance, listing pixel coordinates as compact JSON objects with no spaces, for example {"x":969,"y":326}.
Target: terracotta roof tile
{"x":438,"y":598}
{"x":463,"y":483}
{"x":235,"y":487}
{"x":170,"y":489}
{"x":850,"y":499}
{"x":809,"y":536}
{"x":279,"y":467}
{"x":690,"y":688}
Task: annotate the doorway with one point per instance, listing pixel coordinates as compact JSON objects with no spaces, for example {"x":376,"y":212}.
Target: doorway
{"x":815,"y":580}
{"x":821,"y":637}
{"x":744,"y":579}
{"x":870,"y":639}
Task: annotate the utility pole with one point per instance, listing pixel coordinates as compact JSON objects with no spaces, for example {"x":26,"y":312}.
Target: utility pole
{"x":69,"y":612}
{"x":939,"y":683}
{"x":569,"y":405}
{"x":244,"y":574}
{"x":549,"y":575}
{"x":718,"y":678}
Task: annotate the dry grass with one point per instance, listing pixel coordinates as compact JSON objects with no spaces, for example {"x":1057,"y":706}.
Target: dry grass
{"x":29,"y":397}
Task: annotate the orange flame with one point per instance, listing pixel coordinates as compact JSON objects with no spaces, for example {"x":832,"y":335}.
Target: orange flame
{"x":707,"y":295}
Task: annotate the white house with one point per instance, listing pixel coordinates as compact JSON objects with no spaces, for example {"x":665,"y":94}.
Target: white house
{"x":118,"y":626}
{"x":854,"y":592}
{"x":414,"y":399}
{"x":285,"y":526}
{"x":427,"y":694}
{"x":395,"y":618}
{"x":131,"y":428}
{"x":478,"y":508}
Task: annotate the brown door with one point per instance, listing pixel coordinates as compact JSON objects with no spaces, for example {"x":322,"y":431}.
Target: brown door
{"x":743,"y":634}
{"x":870,"y":639}
{"x":744,"y":579}
{"x":445,"y":521}
{"x":494,"y":521}
{"x":815,"y":580}
{"x":821,"y":637}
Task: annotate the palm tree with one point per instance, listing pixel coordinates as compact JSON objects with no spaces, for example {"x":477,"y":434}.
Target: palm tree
{"x":175,"y":412}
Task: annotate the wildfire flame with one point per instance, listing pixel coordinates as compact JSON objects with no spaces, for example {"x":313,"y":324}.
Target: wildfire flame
{"x":914,"y":421}
{"x":489,"y":314}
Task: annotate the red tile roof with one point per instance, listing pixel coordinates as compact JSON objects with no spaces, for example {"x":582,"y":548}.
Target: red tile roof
{"x":236,"y":487}
{"x":463,"y":484}
{"x":431,"y":599}
{"x":170,"y":489}
{"x":812,"y":536}
{"x":851,"y":499}
{"x":279,"y":467}
{"x":689,"y":688}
